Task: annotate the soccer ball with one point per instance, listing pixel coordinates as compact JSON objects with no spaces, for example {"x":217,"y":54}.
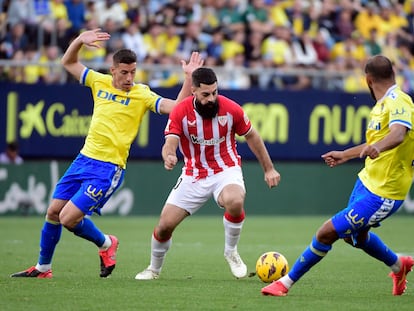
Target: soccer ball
{"x":271,"y":266}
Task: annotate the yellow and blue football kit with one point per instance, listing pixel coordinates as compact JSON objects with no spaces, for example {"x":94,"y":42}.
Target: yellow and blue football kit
{"x":98,"y":170}
{"x":384,"y":181}
{"x":380,"y":188}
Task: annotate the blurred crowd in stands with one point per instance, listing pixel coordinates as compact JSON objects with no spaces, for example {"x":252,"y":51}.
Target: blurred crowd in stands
{"x":282,"y":44}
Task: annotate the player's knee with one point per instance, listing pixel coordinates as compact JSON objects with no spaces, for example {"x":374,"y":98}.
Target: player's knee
{"x":163,"y":232}
{"x":326,"y":233}
{"x":52,"y":215}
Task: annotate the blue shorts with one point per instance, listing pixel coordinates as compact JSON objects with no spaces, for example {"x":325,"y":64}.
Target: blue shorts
{"x":365,"y":209}
{"x":89,"y":183}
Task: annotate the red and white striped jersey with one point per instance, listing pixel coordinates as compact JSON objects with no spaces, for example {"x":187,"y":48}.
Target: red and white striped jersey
{"x":208,"y":145}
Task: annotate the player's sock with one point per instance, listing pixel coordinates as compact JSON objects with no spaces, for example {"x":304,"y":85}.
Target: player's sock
{"x":286,"y":281}
{"x":86,"y":229}
{"x":49,"y":238}
{"x":107,"y":243}
{"x":310,"y":257}
{"x":374,"y":247}
{"x":232,"y":230}
{"x":158,"y":250}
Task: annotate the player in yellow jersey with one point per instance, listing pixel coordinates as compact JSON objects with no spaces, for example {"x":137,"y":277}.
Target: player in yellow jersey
{"x":98,"y":170}
{"x":381,"y":186}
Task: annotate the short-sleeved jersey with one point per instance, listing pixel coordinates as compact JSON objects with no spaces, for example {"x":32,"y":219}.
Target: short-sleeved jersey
{"x":116,"y":117}
{"x":391,"y":174}
{"x":208,"y":145}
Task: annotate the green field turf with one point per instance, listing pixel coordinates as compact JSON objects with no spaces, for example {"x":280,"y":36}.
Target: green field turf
{"x":195,"y":274}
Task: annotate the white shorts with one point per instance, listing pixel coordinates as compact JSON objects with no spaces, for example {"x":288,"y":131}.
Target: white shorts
{"x":190,"y":193}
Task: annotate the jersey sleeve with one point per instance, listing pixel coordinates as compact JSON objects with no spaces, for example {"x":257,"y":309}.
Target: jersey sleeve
{"x":174,"y":123}
{"x":242,"y":122}
{"x":400,"y":111}
{"x":88,"y":76}
{"x":152,"y":100}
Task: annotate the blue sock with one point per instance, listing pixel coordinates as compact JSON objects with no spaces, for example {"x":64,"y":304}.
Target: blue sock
{"x":374,"y":247}
{"x":86,"y":229}
{"x":49,"y":238}
{"x":310,"y":257}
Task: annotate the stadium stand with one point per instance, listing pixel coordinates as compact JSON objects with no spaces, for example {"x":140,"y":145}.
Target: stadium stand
{"x":288,"y":44}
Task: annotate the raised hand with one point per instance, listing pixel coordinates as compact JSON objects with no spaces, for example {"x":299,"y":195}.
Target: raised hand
{"x":92,"y":37}
{"x":196,"y":61}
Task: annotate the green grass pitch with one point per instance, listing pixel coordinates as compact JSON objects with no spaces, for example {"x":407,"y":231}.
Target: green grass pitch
{"x":195,"y":274}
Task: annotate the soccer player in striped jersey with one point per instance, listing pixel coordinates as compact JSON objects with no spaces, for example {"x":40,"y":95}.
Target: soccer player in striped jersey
{"x":98,"y":170}
{"x":381,"y":186}
{"x":204,"y":126}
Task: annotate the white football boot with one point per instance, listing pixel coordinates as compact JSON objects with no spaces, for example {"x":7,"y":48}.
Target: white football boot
{"x":237,"y":266}
{"x":147,"y":274}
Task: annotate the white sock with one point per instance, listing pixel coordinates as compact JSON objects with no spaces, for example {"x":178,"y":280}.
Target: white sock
{"x":286,"y":281}
{"x":231,"y":235}
{"x":397,"y":266}
{"x":106,"y":244}
{"x":158,"y":251}
{"x":43,"y":268}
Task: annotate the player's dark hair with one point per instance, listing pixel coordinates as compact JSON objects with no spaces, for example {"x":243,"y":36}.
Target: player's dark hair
{"x":380,"y":68}
{"x":124,"y":56}
{"x":203,"y":75}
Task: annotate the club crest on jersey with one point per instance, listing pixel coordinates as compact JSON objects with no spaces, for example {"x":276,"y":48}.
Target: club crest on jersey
{"x":222,"y":120}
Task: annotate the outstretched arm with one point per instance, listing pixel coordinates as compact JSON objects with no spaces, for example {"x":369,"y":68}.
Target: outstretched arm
{"x":393,"y":139}
{"x":257,"y":146}
{"x":70,"y":59}
{"x":334,"y":158}
{"x":195,"y":62}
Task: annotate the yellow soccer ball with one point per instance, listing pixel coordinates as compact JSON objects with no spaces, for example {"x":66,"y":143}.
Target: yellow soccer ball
{"x":271,"y":266}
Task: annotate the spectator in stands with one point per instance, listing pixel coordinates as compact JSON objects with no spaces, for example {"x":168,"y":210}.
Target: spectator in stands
{"x":192,"y":40}
{"x":253,"y":46}
{"x":368,"y":19}
{"x":76,"y":13}
{"x":110,"y":9}
{"x":90,"y":54}
{"x":234,"y":76}
{"x":154,"y":41}
{"x":50,"y":70}
{"x":32,"y":69}
{"x":63,"y":33}
{"x":299,"y":18}
{"x":215,"y":47}
{"x":171,"y":41}
{"x":134,"y":40}
{"x":344,"y":25}
{"x":165,"y":77}
{"x":321,"y":47}
{"x":14,"y":41}
{"x":233,"y":45}
{"x":15,"y":74}
{"x":23,"y":12}
{"x":372,"y":45}
{"x":304,"y":52}
{"x":11,"y":154}
{"x":257,"y":17}
{"x":231,"y":15}
{"x":116,"y":41}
